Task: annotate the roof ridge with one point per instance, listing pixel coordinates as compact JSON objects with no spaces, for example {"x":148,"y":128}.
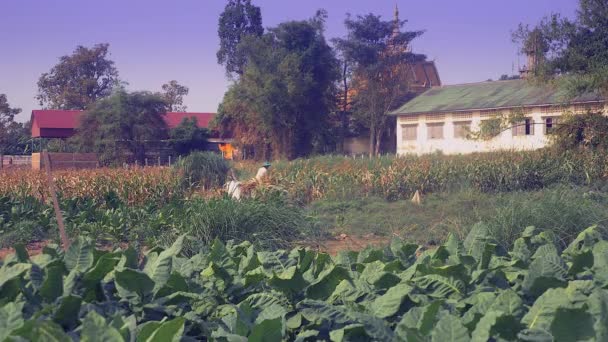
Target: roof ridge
{"x":480,"y":82}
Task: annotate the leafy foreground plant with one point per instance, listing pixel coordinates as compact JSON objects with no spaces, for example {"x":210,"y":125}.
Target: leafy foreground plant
{"x":461,"y":291}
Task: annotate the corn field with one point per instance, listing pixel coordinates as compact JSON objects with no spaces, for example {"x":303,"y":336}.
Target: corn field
{"x":307,"y":180}
{"x":397,"y":178}
{"x":132,"y":186}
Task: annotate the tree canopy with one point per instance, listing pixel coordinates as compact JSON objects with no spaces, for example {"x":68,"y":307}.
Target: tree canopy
{"x":239,"y":20}
{"x":123,"y":123}
{"x":174,"y":93}
{"x":14,"y":136}
{"x":78,"y":80}
{"x":575,"y":49}
{"x":381,"y":60}
{"x":188,"y":137}
{"x":283,"y":99}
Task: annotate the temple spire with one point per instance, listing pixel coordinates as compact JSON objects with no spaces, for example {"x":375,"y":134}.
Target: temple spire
{"x":396,"y":12}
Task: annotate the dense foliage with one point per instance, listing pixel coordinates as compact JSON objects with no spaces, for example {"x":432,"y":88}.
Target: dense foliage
{"x":461,"y":291}
{"x":14,"y":136}
{"x":173,"y":94}
{"x":282,"y":101}
{"x":203,"y":169}
{"x":582,"y":131}
{"x":78,"y":80}
{"x":575,"y":48}
{"x":123,"y":124}
{"x":381,"y":59}
{"x":239,"y":19}
{"x":188,"y":136}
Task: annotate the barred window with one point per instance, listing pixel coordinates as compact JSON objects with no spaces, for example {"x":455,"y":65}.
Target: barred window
{"x":550,"y":123}
{"x":409,"y":132}
{"x":523,"y":128}
{"x":462,"y":129}
{"x":435,"y":130}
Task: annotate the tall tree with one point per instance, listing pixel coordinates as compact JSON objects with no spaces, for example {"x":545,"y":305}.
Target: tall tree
{"x":239,"y":19}
{"x":78,"y":80}
{"x":174,"y":93}
{"x":573,"y":51}
{"x":381,"y":60}
{"x":123,"y":123}
{"x":8,"y":127}
{"x":287,"y":90}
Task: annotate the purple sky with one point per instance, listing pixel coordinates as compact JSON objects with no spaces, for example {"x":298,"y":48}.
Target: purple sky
{"x":154,"y":41}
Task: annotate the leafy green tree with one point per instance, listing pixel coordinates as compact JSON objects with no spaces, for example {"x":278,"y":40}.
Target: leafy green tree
{"x":123,"y":123}
{"x":78,"y":80}
{"x":174,"y":93}
{"x":188,"y":137}
{"x":381,"y":60}
{"x":581,"y":131}
{"x":282,"y":101}
{"x":574,"y":49}
{"x":11,"y":132}
{"x":239,"y":20}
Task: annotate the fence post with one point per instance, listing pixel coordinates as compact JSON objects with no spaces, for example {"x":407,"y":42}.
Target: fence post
{"x":159,"y":160}
{"x":47,"y":165}
{"x":1,"y":161}
{"x":169,"y":160}
{"x":146,"y":161}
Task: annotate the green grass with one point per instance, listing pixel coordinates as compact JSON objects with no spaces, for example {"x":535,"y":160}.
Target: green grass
{"x":563,"y":210}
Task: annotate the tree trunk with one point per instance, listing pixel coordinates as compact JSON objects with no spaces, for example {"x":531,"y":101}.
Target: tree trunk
{"x":379,"y":137}
{"x":343,"y":113}
{"x":372,"y":140}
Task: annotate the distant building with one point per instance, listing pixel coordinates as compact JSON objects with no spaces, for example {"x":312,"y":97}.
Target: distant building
{"x":441,"y":118}
{"x":62,"y":124}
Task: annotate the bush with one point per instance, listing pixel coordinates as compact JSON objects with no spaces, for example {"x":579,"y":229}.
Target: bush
{"x":203,"y":169}
{"x":269,"y":224}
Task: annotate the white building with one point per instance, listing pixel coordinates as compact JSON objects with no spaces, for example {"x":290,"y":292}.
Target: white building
{"x":441,"y":118}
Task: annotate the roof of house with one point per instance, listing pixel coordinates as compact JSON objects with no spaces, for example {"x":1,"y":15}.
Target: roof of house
{"x":489,"y":95}
{"x":426,"y":75}
{"x":68,"y":119}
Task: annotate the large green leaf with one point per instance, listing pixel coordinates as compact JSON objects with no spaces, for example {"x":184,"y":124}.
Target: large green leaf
{"x":42,"y":331}
{"x":162,"y":331}
{"x":352,"y":332}
{"x":8,"y":273}
{"x":52,"y":286}
{"x":159,"y":269}
{"x":80,"y":255}
{"x":269,"y":330}
{"x":67,"y":312}
{"x":496,"y":325}
{"x":450,"y":329}
{"x":441,"y":287}
{"x":131,"y":282}
{"x":327,"y":282}
{"x":545,"y":272}
{"x":391,"y":302}
{"x":95,"y":329}
{"x":11,"y":318}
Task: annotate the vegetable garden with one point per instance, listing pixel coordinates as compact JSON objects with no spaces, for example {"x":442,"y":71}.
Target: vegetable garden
{"x":460,"y":291}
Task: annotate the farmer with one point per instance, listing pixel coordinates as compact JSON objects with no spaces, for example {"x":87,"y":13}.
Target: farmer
{"x":262,"y":173}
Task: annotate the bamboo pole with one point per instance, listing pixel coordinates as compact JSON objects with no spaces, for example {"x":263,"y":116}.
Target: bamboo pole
{"x":64,"y":237}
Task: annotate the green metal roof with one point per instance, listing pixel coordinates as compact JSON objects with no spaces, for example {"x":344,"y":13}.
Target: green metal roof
{"x":488,"y":95}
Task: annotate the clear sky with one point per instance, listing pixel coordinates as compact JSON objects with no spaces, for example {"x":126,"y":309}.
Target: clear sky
{"x":154,"y":41}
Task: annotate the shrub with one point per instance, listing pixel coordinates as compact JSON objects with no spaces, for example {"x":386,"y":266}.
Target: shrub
{"x":203,"y":169}
{"x":266,"y":223}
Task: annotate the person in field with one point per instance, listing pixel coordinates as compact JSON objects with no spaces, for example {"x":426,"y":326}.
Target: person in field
{"x":262,"y":174}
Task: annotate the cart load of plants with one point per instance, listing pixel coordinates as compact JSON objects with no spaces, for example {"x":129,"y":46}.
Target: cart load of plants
{"x":469,"y":290}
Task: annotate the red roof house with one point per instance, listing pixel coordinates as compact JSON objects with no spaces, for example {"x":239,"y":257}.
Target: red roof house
{"x":63,"y":123}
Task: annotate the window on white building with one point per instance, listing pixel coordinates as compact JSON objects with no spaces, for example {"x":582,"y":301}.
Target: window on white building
{"x":435,"y":130}
{"x":550,"y":123}
{"x":409,"y":132}
{"x":523,"y":128}
{"x":462,"y":129}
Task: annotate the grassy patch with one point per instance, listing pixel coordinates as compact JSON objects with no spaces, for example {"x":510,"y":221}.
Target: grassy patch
{"x":563,"y":210}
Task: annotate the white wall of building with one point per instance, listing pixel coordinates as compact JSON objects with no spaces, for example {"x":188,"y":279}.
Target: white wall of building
{"x":452,"y":145}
